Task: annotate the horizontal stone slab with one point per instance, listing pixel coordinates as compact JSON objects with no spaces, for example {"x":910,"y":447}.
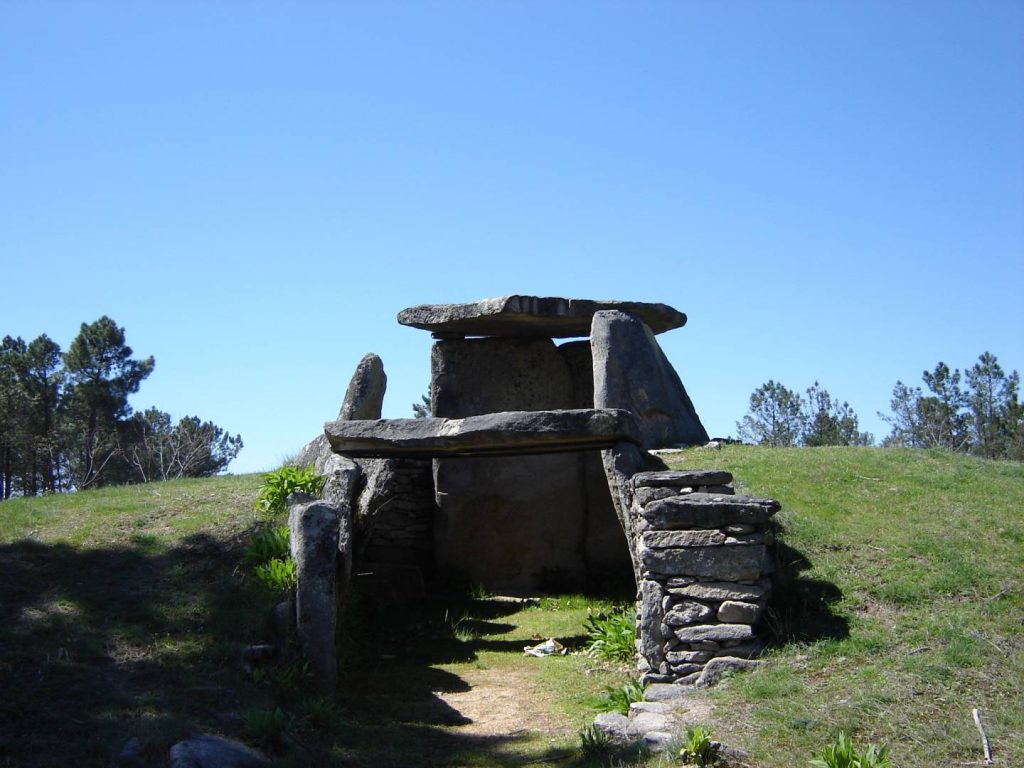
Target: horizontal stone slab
{"x":704,"y":510}
{"x":714,"y":633}
{"x":744,"y":563}
{"x":711,"y":590}
{"x":548,"y":316}
{"x":677,"y":478}
{"x":512,"y":433}
{"x":685,"y":538}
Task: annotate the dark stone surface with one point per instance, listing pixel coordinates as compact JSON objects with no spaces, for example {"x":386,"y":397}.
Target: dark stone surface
{"x":314,"y":530}
{"x":365,"y":395}
{"x":715,"y":669}
{"x":725,"y":563}
{"x":709,"y":590}
{"x":631,"y":372}
{"x":507,"y":522}
{"x":205,"y":751}
{"x":703,"y":510}
{"x":677,"y":478}
{"x":512,"y":433}
{"x":550,"y":317}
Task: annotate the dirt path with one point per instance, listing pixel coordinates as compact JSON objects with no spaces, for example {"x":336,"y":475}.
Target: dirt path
{"x":504,"y":703}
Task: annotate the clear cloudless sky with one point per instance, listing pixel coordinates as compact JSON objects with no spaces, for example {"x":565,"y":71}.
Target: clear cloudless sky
{"x":831,"y":191}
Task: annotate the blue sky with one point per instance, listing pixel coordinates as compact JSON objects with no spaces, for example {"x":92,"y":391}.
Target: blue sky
{"x":831,"y":191}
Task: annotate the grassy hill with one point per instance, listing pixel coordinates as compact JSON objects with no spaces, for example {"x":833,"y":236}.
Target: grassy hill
{"x":123,"y":613}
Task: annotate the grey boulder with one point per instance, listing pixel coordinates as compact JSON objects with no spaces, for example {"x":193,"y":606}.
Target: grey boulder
{"x":631,"y":372}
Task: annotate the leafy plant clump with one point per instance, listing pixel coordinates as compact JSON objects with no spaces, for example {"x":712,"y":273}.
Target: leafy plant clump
{"x":595,"y":743}
{"x":842,"y":754}
{"x":619,"y":699}
{"x":278,"y":575}
{"x":698,"y":748}
{"x":277,"y":486}
{"x":612,"y":636}
{"x":266,"y":545}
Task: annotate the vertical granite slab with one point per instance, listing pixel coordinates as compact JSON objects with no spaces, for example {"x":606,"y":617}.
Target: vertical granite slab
{"x":507,"y":522}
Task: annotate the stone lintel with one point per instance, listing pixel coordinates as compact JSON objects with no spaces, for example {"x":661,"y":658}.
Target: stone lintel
{"x":512,"y":433}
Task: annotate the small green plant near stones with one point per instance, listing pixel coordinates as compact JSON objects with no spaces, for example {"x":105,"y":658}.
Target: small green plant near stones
{"x":842,"y":754}
{"x":277,"y":486}
{"x":595,"y":743}
{"x":268,"y":555}
{"x":698,"y":748}
{"x":612,"y":636}
{"x":618,"y":699}
{"x":278,"y":575}
{"x":267,"y":544}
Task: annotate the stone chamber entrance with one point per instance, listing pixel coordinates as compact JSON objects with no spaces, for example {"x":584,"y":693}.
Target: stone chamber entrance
{"x":533,"y":474}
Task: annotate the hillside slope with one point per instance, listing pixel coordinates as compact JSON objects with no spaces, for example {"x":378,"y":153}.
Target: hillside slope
{"x":902,"y":604}
{"x":122,"y":613}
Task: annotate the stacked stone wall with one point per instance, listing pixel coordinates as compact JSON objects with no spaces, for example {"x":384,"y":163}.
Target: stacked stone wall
{"x":402,"y":532}
{"x":704,"y":561}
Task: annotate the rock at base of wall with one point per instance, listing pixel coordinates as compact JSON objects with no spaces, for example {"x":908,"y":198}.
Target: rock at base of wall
{"x":206,"y":751}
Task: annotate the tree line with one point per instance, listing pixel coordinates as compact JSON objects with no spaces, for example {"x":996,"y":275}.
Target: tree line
{"x":65,"y":421}
{"x":976,"y":412}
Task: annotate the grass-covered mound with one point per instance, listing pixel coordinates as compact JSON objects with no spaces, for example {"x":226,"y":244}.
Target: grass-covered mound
{"x":902,"y":610}
{"x":123,"y":613}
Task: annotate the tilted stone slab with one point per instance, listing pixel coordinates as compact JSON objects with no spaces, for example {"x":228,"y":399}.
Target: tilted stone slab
{"x":726,"y":563}
{"x":632,"y":372}
{"x":494,"y":434}
{"x":706,"y":510}
{"x":515,"y":315}
{"x":681,"y":478}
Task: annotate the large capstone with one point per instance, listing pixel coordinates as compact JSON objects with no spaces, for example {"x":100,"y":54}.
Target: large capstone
{"x":631,"y":372}
{"x":549,"y":316}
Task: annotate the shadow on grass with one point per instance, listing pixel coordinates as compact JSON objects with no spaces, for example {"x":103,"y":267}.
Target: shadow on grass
{"x":801,"y":607}
{"x":101,"y":645}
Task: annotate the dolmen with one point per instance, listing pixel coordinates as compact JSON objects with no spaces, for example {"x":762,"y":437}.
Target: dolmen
{"x":534,"y":472}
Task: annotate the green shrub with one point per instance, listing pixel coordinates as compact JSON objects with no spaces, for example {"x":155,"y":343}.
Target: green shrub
{"x":612,"y":636}
{"x":266,"y":545}
{"x":278,"y":485}
{"x":842,"y":754}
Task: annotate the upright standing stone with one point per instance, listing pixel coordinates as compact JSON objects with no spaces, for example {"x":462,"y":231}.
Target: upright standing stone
{"x":509,"y":522}
{"x":631,"y":372}
{"x":315,"y":533}
{"x":365,"y":395}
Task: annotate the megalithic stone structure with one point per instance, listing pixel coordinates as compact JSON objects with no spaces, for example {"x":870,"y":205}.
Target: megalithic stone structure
{"x":542,"y":476}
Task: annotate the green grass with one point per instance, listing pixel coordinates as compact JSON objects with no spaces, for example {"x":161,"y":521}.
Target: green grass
{"x":123,"y":612}
{"x":902,"y":610}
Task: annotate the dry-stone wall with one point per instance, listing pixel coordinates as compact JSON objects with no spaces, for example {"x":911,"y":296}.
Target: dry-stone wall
{"x":705,"y":567}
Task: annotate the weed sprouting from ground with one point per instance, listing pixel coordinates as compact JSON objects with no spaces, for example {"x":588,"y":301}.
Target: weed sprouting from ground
{"x":618,"y":698}
{"x":612,"y":636}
